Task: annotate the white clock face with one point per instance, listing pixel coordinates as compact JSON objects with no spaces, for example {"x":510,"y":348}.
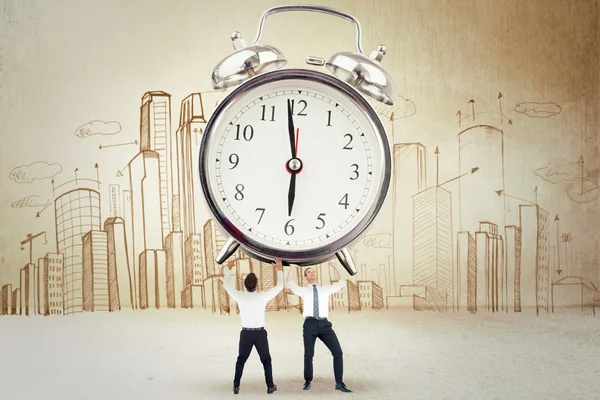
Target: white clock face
{"x":294,"y":164}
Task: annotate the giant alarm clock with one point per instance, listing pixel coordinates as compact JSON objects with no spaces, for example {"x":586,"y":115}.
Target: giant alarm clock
{"x":295,"y":163}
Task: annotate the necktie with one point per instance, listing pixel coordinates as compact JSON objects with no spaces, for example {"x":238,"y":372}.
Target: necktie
{"x":315,"y":302}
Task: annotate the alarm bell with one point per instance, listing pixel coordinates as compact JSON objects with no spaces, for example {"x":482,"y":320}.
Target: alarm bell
{"x":365,"y":74}
{"x":246,"y":62}
{"x":362,"y":72}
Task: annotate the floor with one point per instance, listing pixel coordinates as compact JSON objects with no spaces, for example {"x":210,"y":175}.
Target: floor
{"x":390,"y":354}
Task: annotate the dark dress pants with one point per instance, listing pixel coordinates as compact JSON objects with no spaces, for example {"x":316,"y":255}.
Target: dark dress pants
{"x":322,"y":329}
{"x":249,"y":339}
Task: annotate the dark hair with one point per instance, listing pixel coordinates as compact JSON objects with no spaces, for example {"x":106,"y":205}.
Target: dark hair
{"x":306,"y":270}
{"x":250,"y":282}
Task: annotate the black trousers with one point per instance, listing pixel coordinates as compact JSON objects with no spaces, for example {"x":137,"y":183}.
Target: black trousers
{"x":249,"y":339}
{"x":322,"y":329}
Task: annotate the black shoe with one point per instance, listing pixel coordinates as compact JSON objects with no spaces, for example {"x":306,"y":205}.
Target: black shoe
{"x":271,"y":389}
{"x":236,"y":390}
{"x":306,"y":385}
{"x":341,"y":386}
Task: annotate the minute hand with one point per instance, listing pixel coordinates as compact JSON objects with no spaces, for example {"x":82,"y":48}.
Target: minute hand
{"x":291,"y":129}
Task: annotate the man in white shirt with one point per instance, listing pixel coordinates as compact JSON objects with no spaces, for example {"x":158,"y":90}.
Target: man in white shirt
{"x":316,"y":325}
{"x":252,"y":305}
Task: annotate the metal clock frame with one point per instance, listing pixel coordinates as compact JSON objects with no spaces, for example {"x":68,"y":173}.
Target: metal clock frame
{"x":319,"y":254}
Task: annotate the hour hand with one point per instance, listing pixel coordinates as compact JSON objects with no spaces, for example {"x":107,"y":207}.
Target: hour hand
{"x":291,"y":193}
{"x":291,"y":129}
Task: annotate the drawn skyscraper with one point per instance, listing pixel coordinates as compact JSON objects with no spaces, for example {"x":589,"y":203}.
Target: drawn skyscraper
{"x":191,"y":125}
{"x":409,"y":178}
{"x":76,"y":213}
{"x":147,"y":225}
{"x":155,"y":132}
{"x":481,"y":146}
{"x":95,"y":272}
{"x":534,"y":257}
{"x":432,"y":224}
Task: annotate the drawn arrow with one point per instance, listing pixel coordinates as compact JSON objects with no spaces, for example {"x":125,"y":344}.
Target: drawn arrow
{"x":459,"y":118}
{"x":473,"y":170}
{"x":37,"y":215}
{"x":437,"y":165}
{"x":52,"y":181}
{"x":556,"y":219}
{"x":117,"y":145}
{"x":472,"y":102}
{"x":535,"y":190}
{"x":510,"y":121}
{"x":502,"y":192}
{"x":500,"y":100}
{"x":97,"y":176}
{"x":76,"y":169}
{"x":580,"y":162}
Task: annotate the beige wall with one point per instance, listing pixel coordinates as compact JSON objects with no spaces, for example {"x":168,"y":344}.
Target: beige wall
{"x":65,"y":63}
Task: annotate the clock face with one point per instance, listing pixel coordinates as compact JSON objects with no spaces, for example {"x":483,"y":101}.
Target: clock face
{"x":294,"y":164}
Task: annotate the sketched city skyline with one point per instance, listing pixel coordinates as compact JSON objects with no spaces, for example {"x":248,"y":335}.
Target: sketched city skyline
{"x":155,"y":247}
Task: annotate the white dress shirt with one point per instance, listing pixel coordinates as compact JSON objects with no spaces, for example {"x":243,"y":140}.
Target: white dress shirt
{"x":306,"y":292}
{"x":252,"y":304}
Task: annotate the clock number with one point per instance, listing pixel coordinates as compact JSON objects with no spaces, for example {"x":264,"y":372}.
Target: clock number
{"x":328,"y":118}
{"x":289,"y":228}
{"x":264,"y":111}
{"x":262,"y":212}
{"x":347,"y":146}
{"x":355,"y":172}
{"x":302,"y":103}
{"x":239,"y":195}
{"x":320,"y":218}
{"x":248,"y":132}
{"x":234,"y":159}
{"x":344,"y":201}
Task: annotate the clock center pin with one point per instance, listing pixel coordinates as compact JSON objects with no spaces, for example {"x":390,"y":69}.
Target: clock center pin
{"x":294,"y":165}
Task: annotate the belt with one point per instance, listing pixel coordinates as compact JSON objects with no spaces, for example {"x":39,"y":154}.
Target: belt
{"x":253,"y":329}
{"x":317,"y":318}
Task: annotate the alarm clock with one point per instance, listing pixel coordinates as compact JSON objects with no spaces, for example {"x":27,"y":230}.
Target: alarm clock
{"x":295,"y":164}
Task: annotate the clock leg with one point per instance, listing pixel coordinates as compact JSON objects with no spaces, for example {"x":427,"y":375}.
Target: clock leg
{"x":228,"y":249}
{"x":346,"y":260}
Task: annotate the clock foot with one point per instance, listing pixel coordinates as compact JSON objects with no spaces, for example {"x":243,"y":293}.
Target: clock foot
{"x":228,"y":249}
{"x":346,"y":260}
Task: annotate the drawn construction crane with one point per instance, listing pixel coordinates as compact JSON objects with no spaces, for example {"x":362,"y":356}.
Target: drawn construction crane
{"x":29,"y":241}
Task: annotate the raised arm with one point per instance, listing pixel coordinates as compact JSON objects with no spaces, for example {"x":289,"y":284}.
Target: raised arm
{"x":270,"y":293}
{"x":227,"y":282}
{"x":291,"y":281}
{"x":339,"y":285}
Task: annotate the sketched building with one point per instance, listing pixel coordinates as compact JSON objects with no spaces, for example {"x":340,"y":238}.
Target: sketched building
{"x":192,"y":121}
{"x":155,"y":132}
{"x":120,"y":281}
{"x":409,"y":178}
{"x":481,"y":146}
{"x":29,"y":289}
{"x":535,"y":275}
{"x":215,"y":294}
{"x":6,"y":294}
{"x":370,"y":295}
{"x":95,"y":272}
{"x":193,"y":294}
{"x":76,"y":213}
{"x":147,"y":228}
{"x":432,"y":232}
{"x":53,"y":284}
{"x":513,"y":267}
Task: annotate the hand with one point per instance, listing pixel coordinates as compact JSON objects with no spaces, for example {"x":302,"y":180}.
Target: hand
{"x":291,"y":129}
{"x":278,"y":264}
{"x":230,"y":263}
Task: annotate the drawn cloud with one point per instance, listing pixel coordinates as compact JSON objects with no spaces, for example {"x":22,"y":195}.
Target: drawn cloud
{"x":401,"y":109}
{"x":38,"y":170}
{"x":378,"y":241}
{"x":98,"y":128}
{"x":538,"y":110}
{"x":29,"y":201}
{"x":562,"y":170}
